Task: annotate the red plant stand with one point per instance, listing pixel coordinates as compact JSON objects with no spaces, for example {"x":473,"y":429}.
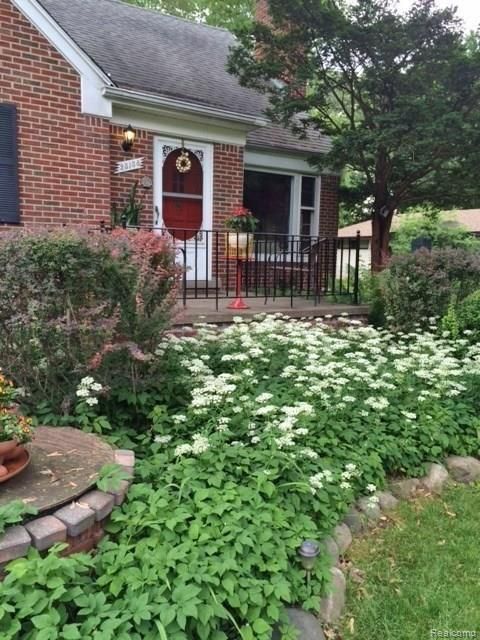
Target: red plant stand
{"x":239,"y":303}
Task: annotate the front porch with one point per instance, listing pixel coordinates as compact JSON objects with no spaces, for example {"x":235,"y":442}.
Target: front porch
{"x":198,"y":311}
{"x":227,"y":274}
{"x":218,"y":265}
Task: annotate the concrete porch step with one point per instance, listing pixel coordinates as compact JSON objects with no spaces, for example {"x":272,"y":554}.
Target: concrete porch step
{"x":204,"y":310}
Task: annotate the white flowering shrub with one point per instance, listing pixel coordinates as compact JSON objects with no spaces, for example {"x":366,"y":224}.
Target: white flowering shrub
{"x":265,"y":435}
{"x":323,"y":398}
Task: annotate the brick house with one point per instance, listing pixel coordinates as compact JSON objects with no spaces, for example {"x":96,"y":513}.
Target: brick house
{"x":77,"y":75}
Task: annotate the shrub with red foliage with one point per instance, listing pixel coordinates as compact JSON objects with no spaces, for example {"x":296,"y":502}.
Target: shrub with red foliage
{"x":73,"y":303}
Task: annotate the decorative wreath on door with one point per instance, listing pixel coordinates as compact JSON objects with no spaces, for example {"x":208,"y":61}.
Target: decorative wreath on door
{"x":183,"y":163}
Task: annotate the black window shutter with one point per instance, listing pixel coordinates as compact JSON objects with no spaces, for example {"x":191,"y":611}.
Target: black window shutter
{"x":9,"y":192}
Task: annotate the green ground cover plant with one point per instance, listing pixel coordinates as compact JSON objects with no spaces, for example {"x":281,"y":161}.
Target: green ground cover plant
{"x":264,"y":435}
{"x":419,"y":574}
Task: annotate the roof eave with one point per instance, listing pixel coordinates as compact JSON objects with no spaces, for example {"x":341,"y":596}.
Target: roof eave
{"x":287,"y":150}
{"x":143,"y":100}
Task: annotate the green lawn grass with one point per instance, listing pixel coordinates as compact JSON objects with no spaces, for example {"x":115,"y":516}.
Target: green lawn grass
{"x":420,"y":573}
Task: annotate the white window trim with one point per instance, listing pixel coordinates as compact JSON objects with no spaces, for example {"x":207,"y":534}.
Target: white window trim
{"x":296,"y":198}
{"x":296,"y":214}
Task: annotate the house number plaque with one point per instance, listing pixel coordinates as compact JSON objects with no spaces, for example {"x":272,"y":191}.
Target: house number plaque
{"x":129,"y":165}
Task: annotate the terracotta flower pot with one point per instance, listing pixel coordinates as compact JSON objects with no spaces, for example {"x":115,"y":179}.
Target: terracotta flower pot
{"x":6,"y":448}
{"x":14,"y":453}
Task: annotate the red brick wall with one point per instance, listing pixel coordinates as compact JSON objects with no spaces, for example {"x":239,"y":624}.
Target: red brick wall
{"x":228,"y":174}
{"x":227,"y":181}
{"x":328,"y":223}
{"x":122,"y":183}
{"x":63,"y":155}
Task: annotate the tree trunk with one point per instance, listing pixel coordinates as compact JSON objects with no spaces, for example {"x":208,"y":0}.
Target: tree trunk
{"x":382,"y":212}
{"x":381,"y":238}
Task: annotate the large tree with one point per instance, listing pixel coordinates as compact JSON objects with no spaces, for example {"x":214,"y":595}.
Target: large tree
{"x":231,"y":14}
{"x":398,"y":93}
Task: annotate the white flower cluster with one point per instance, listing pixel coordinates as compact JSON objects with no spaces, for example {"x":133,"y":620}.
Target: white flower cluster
{"x":373,"y":500}
{"x":377,"y":403}
{"x":213,"y":391}
{"x":264,"y":397}
{"x":317,"y":481}
{"x":222,"y":424}
{"x":351,"y":471}
{"x":88,"y":389}
{"x":199,"y":445}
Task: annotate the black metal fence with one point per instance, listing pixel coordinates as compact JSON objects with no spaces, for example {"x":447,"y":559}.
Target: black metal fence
{"x":219,"y":264}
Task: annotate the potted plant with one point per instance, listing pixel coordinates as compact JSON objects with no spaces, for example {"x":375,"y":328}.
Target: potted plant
{"x":129,"y":215}
{"x":15,"y":429}
{"x":241,"y":225}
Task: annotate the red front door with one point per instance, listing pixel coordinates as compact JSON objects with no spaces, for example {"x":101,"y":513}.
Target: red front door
{"x":182,"y":197}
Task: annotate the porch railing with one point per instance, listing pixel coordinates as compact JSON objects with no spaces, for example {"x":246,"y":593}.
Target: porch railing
{"x":216,"y":263}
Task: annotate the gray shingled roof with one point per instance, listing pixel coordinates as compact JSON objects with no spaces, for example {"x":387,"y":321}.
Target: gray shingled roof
{"x":275,"y":136}
{"x":155,"y":53}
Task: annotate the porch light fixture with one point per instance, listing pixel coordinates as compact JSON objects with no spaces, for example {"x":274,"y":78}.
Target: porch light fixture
{"x":308,"y":554}
{"x":129,"y":136}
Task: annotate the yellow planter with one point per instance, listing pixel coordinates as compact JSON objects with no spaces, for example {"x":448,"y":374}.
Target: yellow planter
{"x":239,"y":246}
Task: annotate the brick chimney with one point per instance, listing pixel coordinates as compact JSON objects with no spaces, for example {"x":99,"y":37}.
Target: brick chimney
{"x":262,"y":12}
{"x":262,"y":15}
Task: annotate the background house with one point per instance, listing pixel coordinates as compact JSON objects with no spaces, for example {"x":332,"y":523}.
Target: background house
{"x":75,"y":73}
{"x":469,"y":219}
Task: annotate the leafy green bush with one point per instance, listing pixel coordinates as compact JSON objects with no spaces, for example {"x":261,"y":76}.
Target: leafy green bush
{"x":467,"y":317}
{"x":449,"y":322}
{"x":371,"y":293}
{"x":38,"y":594}
{"x":73,"y":302}
{"x":420,"y":285}
{"x":440,"y":227}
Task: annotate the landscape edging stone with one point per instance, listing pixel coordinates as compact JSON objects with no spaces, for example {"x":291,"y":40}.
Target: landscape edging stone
{"x":79,"y":523}
{"x":332,"y":605}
